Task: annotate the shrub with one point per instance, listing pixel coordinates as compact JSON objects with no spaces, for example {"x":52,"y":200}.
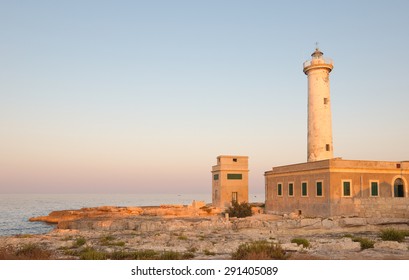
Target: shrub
{"x":365,"y":242}
{"x":28,"y":251}
{"x":259,"y":250}
{"x":239,"y":210}
{"x":391,"y":234}
{"x":301,"y":241}
{"x":192,"y":249}
{"x":209,"y":253}
{"x":109,"y":241}
{"x":144,"y":255}
{"x":79,"y":241}
{"x":182,"y":237}
{"x":107,"y":238}
{"x":188,"y":255}
{"x":90,"y":253}
{"x":206,"y":209}
{"x":170,"y":255}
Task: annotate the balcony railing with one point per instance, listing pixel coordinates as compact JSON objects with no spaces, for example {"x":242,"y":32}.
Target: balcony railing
{"x":318,"y":61}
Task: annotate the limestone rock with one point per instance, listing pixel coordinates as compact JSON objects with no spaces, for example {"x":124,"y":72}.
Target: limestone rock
{"x":393,"y":245}
{"x":352,"y":222}
{"x":344,"y":244}
{"x":387,"y":221}
{"x":311,"y":223}
{"x":291,"y":247}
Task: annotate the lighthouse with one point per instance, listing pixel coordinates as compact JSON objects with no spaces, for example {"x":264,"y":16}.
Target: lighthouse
{"x":320,"y":145}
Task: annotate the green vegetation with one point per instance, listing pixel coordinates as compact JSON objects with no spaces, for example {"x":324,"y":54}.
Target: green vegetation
{"x":259,"y":250}
{"x":28,"y":251}
{"x":239,"y":210}
{"x":67,"y":238}
{"x":192,"y":250}
{"x":182,"y":237}
{"x":391,"y":234}
{"x":365,"y":242}
{"x":301,"y":241}
{"x":209,"y":253}
{"x":188,"y":255}
{"x":206,"y":209}
{"x":109,"y":240}
{"x":90,"y":253}
{"x":80,"y":241}
{"x":135,"y":255}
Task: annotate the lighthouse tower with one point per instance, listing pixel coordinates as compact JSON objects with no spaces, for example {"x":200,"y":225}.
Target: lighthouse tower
{"x":319,"y":107}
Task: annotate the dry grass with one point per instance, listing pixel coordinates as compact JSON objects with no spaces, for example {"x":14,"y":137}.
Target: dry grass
{"x":26,"y":252}
{"x":260,"y":250}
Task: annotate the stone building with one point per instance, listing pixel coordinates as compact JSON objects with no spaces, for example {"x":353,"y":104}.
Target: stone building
{"x":230,"y":180}
{"x":326,"y":186}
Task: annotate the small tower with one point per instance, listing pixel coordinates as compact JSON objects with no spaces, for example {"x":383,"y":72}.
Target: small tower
{"x":319,"y":107}
{"x":230,"y":181}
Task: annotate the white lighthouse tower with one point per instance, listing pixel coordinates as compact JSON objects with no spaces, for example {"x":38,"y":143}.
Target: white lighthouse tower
{"x":319,"y":107}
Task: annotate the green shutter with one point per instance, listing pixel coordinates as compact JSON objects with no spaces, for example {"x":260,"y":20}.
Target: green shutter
{"x":347,"y":188}
{"x":279,"y":189}
{"x":216,"y":177}
{"x":319,"y":188}
{"x":304,"y":189}
{"x":290,"y":189}
{"x":374,"y":188}
{"x":234,"y":176}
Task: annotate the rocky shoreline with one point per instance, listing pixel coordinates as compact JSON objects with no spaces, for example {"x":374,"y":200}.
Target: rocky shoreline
{"x":201,"y":232}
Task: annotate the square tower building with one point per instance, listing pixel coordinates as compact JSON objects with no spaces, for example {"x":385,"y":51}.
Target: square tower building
{"x":230,"y":181}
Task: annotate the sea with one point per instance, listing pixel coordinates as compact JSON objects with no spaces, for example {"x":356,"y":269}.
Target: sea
{"x":17,"y":209}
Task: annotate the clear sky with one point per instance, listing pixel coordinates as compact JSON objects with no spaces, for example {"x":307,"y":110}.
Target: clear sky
{"x":142,"y":96}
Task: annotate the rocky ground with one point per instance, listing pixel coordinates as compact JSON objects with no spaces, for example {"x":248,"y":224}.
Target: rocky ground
{"x":202,"y":234}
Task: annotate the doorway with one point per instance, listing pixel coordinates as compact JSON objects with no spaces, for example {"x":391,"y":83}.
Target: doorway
{"x":398,"y":188}
{"x":234,"y":196}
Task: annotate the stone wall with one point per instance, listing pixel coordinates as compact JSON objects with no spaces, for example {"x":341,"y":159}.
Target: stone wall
{"x":382,"y":207}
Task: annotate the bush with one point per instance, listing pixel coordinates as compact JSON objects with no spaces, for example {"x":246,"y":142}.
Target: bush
{"x":79,"y":242}
{"x":182,"y":237}
{"x":239,"y":210}
{"x":301,"y":241}
{"x":259,"y":250}
{"x":365,"y":242}
{"x":391,"y":234}
{"x":170,"y":255}
{"x":135,"y":255}
{"x":109,"y":241}
{"x":150,"y":255}
{"x":90,"y":253}
{"x":28,"y":251}
{"x":209,"y":253}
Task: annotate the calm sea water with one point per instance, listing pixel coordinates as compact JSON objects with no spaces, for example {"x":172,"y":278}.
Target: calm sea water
{"x":16,"y":209}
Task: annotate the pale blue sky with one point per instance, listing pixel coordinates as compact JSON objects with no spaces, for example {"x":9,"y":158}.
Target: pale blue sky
{"x":142,"y":96}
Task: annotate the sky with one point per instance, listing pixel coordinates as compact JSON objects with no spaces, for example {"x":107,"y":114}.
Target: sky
{"x":142,"y":96}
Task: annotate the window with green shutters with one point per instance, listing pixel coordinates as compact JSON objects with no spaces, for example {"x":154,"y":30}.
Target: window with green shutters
{"x":346,"y":188}
{"x":374,"y":189}
{"x":290,"y":189}
{"x":234,"y":176}
{"x":216,"y":177}
{"x":304,"y":189}
{"x":319,"y":188}
{"x":279,"y":189}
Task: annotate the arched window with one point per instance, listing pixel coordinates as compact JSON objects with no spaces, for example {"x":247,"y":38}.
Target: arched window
{"x":399,"y":188}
